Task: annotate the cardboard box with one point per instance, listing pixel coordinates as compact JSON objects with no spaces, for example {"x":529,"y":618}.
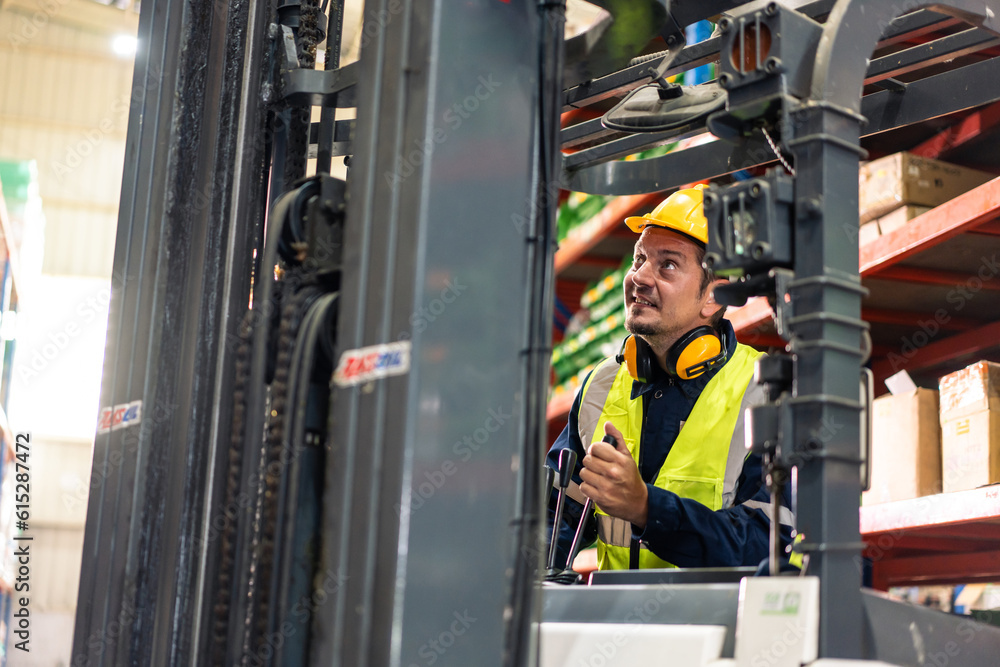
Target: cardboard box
{"x":868,"y":232}
{"x":906,"y":447}
{"x":889,"y":222}
{"x":893,"y":220}
{"x":975,"y":388}
{"x":896,"y":180}
{"x":970,"y":450}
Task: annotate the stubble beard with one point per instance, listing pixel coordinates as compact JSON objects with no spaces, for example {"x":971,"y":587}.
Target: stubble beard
{"x":654,"y":333}
{"x":642,"y":329}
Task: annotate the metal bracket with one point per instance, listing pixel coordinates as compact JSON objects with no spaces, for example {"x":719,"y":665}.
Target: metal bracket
{"x":311,"y":87}
{"x":342,"y":145}
{"x":893,"y":85}
{"x":673,"y":35}
{"x":289,"y":50}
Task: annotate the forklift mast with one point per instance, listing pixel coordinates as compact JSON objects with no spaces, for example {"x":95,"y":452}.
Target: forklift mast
{"x":342,"y":382}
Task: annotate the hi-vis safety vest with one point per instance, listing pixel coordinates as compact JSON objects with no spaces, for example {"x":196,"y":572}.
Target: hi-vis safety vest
{"x":705,"y":460}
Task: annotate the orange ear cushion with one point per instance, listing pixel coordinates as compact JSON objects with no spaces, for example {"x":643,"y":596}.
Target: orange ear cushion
{"x":694,"y":358}
{"x":629,"y":351}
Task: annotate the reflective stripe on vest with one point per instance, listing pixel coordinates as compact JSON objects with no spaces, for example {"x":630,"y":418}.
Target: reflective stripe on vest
{"x":785,"y":516}
{"x":704,"y":462}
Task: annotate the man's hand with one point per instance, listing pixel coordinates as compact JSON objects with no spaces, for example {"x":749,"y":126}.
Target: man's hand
{"x":611,"y":478}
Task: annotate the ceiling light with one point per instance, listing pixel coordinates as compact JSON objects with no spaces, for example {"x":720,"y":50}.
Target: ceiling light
{"x":124,"y":45}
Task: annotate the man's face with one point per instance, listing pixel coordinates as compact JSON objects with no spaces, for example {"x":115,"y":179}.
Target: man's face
{"x":663,"y":295}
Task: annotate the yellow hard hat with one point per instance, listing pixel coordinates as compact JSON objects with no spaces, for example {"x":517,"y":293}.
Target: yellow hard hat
{"x":681,"y":212}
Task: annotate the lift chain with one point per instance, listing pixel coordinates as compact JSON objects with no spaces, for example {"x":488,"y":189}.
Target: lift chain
{"x":221,"y":608}
{"x":263,"y":529}
{"x":307,"y":39}
{"x":277,"y":421}
{"x":777,"y":151}
{"x":310,"y":34}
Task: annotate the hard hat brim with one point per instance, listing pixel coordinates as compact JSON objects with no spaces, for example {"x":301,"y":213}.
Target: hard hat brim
{"x":637,"y":223}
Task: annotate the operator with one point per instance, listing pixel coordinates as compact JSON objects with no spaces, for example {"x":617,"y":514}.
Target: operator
{"x":678,"y":487}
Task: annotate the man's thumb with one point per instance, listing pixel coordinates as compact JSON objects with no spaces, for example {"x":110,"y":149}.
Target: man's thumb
{"x":613,"y":436}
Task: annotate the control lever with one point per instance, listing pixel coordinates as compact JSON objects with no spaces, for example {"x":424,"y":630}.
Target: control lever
{"x":585,"y":517}
{"x":569,"y":575}
{"x":567,"y":463}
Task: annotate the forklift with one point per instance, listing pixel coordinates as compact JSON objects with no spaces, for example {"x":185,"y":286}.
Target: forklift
{"x":340,"y":382}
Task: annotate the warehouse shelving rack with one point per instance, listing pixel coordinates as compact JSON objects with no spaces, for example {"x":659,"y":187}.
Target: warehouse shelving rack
{"x":933,"y":301}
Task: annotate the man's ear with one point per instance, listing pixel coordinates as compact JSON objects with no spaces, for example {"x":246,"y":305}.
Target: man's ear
{"x":711,"y":306}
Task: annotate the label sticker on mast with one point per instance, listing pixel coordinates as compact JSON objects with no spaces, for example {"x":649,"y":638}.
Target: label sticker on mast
{"x":372,"y":363}
{"x":119,"y":416}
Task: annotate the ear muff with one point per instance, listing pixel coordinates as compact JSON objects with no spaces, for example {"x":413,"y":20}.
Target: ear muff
{"x":638,"y":358}
{"x":696,"y":352}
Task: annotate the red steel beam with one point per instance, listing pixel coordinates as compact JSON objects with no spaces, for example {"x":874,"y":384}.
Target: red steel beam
{"x":574,"y":116}
{"x":569,"y":292}
{"x":558,"y":407}
{"x":968,"y":129}
{"x":980,"y":529}
{"x":991,"y":228}
{"x":925,"y":34}
{"x":915,"y":320}
{"x":762,"y":340}
{"x":913,"y":274}
{"x":624,"y":233}
{"x":911,"y":355}
{"x":600,"y":262}
{"x":748,"y":317}
{"x":910,"y":546}
{"x":972,"y":567}
{"x":961,"y":214}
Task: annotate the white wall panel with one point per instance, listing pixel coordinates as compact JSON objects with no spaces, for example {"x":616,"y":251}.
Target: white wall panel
{"x":84,"y":239}
{"x":60,"y":473}
{"x":57,"y":647}
{"x":64,"y":102}
{"x":56,"y":554}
